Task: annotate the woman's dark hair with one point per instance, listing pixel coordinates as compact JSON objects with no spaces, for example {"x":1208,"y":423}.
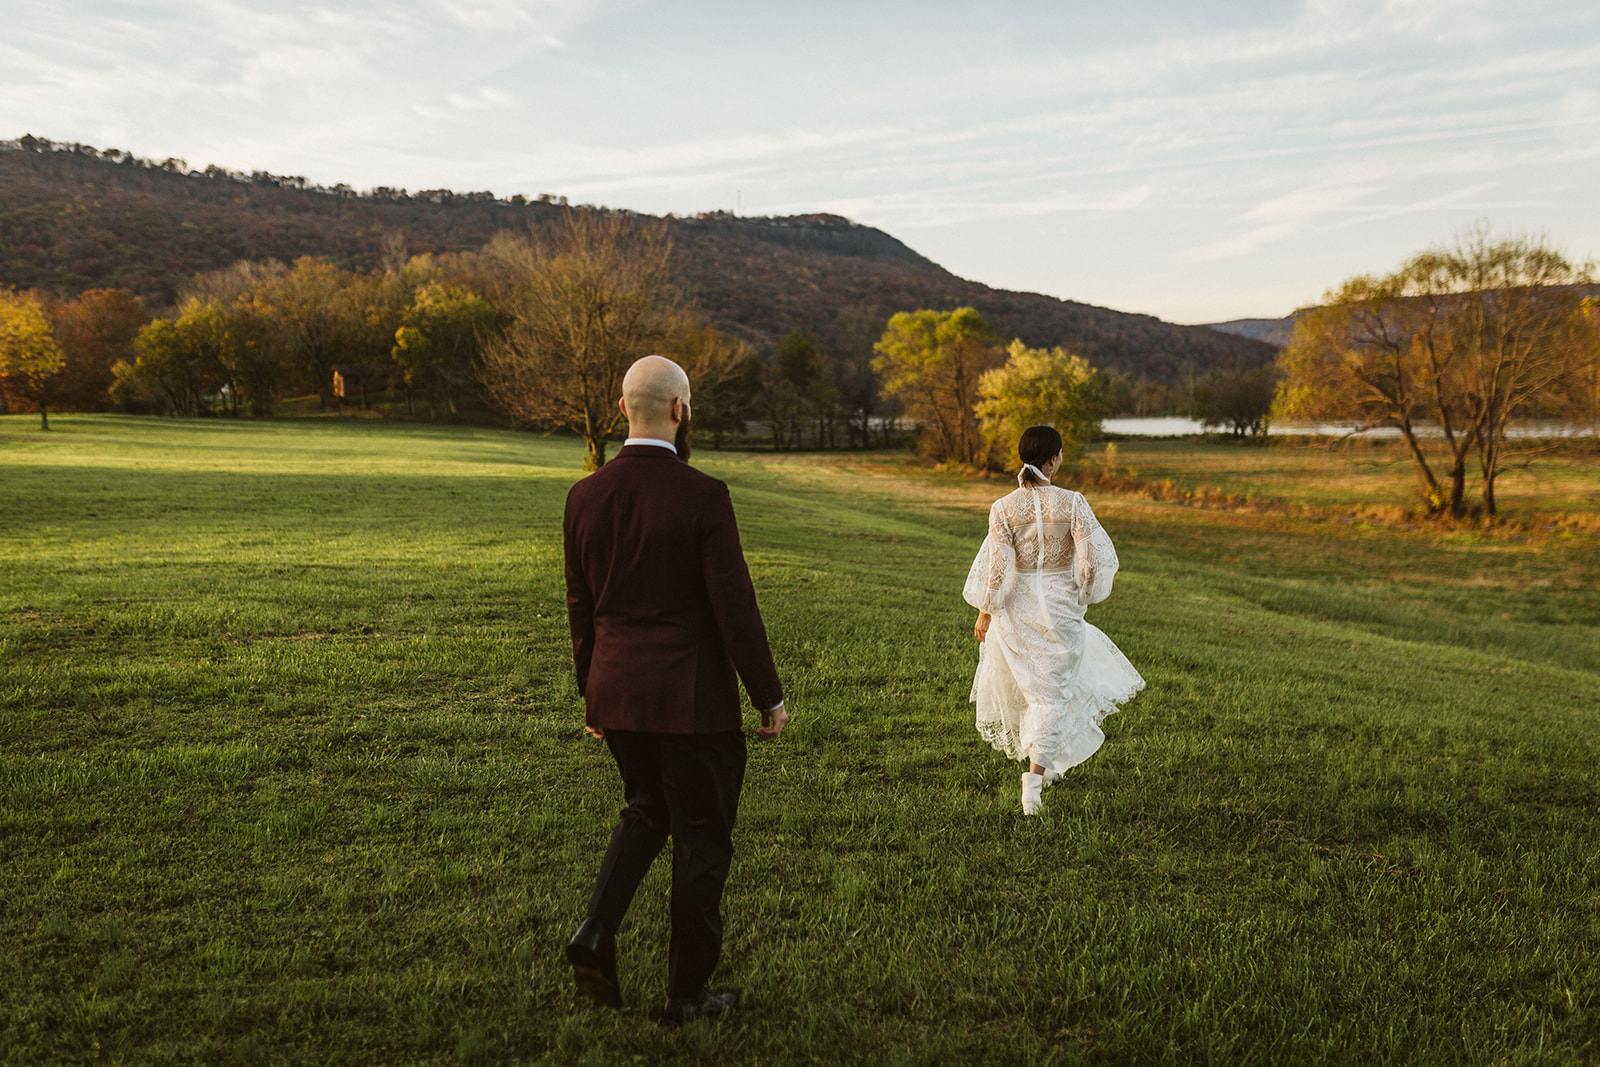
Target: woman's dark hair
{"x":1038,"y":446}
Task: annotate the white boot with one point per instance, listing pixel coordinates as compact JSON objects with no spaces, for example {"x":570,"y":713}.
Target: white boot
{"x":1051,"y":777}
{"x":1032,"y":787}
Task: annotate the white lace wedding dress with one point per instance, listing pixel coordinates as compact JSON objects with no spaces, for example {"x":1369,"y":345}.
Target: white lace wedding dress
{"x":1046,"y":678}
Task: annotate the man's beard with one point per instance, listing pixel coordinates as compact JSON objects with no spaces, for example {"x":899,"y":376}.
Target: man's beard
{"x":682,"y":440}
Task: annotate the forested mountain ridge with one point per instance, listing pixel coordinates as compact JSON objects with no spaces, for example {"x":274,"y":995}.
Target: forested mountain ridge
{"x":75,"y":218}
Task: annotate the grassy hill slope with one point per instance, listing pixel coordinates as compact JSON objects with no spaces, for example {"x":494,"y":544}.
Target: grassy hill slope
{"x":76,"y":219}
{"x":293,"y":771}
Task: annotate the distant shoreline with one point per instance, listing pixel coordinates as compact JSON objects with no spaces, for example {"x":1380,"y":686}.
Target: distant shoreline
{"x":1178,"y":426}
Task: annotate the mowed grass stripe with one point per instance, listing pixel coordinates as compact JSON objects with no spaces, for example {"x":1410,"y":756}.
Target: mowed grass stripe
{"x":293,"y":771}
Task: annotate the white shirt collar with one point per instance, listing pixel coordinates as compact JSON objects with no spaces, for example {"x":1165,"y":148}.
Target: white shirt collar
{"x":658,"y":442}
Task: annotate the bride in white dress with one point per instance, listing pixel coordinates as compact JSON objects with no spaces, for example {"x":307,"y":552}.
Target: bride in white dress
{"x":1046,"y":678}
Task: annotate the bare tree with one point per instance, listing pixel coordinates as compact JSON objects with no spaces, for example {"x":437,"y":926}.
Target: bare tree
{"x":723,"y":371}
{"x":1512,"y":311}
{"x":226,"y":285}
{"x":584,"y":298}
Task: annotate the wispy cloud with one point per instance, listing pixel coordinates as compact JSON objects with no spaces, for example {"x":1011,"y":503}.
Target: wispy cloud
{"x":1271,"y":146}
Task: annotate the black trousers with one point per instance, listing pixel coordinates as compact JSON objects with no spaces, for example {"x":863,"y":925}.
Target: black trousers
{"x":685,"y":786}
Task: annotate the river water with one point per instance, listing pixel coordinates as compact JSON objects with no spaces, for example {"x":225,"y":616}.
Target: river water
{"x":1174,"y":426}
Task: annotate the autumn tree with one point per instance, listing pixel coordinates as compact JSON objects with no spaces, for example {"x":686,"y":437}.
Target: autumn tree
{"x":219,"y":348}
{"x":30,"y":359}
{"x":309,"y":305}
{"x":1036,"y":387}
{"x":227,"y":285}
{"x":371,"y":309}
{"x":1512,"y":309}
{"x":583,"y":299}
{"x":252,"y":352}
{"x":847,"y":346}
{"x":1141,"y":395}
{"x":931,"y":362}
{"x":1460,"y":340}
{"x":178,"y":362}
{"x":798,"y":394}
{"x":94,"y":330}
{"x":1237,"y":397}
{"x":437,"y":341}
{"x":1580,"y":394}
{"x":724,"y":375}
{"x":249,"y":344}
{"x":1355,"y":357}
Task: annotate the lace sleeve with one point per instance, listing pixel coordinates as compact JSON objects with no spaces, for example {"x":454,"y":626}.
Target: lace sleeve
{"x":1095,"y":563}
{"x":988,"y":578}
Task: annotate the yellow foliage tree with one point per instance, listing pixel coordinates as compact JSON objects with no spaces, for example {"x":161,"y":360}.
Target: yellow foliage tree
{"x":178,"y":361}
{"x":930,"y":361}
{"x":436,"y":344}
{"x":29,"y":355}
{"x":1037,"y":387}
{"x":1459,"y":341}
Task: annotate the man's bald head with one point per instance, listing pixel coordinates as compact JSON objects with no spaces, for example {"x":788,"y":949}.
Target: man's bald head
{"x":650,"y":387}
{"x":648,"y":391}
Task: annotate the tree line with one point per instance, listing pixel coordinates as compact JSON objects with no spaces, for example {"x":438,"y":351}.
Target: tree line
{"x":532,"y":325}
{"x":215,"y":173}
{"x":540,"y":327}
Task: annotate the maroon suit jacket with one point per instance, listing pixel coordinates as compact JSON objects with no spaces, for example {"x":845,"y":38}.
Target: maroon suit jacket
{"x":659,"y":599}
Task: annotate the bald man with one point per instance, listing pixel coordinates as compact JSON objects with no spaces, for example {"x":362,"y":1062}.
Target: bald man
{"x":663,"y":618}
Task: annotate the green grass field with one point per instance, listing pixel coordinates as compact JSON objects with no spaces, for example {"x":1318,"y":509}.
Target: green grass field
{"x":292,"y":771}
{"x":1541,"y":487}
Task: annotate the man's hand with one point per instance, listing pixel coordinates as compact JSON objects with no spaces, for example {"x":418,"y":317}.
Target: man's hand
{"x":772,"y":723}
{"x":981,"y":627}
{"x":595,"y":732}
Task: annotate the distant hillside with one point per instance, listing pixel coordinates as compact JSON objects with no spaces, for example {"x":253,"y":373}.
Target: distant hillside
{"x":1279,"y":332}
{"x":73,"y":218}
{"x":1273,"y":331}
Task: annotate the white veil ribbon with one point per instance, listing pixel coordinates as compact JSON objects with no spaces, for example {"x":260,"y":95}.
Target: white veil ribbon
{"x":1038,"y":518}
{"x":1026,"y":467}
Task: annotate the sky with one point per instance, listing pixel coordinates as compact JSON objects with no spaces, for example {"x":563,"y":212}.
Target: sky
{"x":1200,"y":160}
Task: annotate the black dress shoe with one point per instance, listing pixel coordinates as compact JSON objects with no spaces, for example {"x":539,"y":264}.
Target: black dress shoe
{"x":709,"y":1006}
{"x":593,"y":955}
